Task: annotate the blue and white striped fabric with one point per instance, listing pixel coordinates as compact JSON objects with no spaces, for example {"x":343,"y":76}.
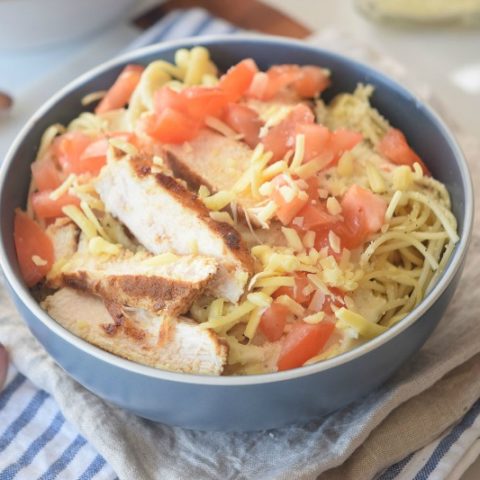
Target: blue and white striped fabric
{"x":36,"y":441}
{"x":438,"y":459}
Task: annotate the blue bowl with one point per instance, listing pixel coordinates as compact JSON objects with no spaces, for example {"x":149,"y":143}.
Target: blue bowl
{"x":257,"y":401}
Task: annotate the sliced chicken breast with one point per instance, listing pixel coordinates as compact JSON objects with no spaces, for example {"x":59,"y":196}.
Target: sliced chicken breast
{"x":177,"y":345}
{"x":138,"y":280}
{"x":165,"y":217}
{"x":212,"y":160}
{"x":65,"y":236}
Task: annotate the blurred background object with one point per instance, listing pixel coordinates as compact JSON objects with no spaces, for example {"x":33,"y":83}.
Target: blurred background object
{"x":432,"y":12}
{"x":29,"y":24}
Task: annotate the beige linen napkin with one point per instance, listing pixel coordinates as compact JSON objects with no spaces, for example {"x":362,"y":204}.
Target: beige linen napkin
{"x":411,"y":409}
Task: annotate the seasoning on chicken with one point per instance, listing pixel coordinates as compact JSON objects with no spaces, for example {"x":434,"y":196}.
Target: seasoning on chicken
{"x":164,"y":283}
{"x":165,"y":217}
{"x":134,"y":334}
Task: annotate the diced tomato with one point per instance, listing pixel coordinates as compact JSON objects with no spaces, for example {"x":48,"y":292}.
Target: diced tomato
{"x":335,"y":299}
{"x":287,"y":210}
{"x":120,"y":92}
{"x":31,"y":240}
{"x":395,"y":147}
{"x":303,"y":342}
{"x":281,"y":137}
{"x":194,"y":102}
{"x":45,"y":207}
{"x":46,"y":175}
{"x":258,"y":87}
{"x":273,"y":321}
{"x":244,"y":120}
{"x":315,"y":215}
{"x":238,"y":78}
{"x":170,"y":126}
{"x":351,"y":235}
{"x":306,"y":82}
{"x":311,"y":81}
{"x":317,"y":138}
{"x":201,"y":102}
{"x":68,"y":149}
{"x":343,"y":140}
{"x":296,"y":292}
{"x":361,"y":205}
{"x":93,"y":158}
{"x":279,"y":77}
{"x":363,"y":214}
{"x":166,"y":97}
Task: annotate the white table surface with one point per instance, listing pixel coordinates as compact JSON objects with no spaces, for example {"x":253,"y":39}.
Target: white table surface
{"x":438,"y":57}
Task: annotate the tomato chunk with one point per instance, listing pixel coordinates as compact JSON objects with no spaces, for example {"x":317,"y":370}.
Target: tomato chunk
{"x":46,"y":175}
{"x":394,"y":146}
{"x":343,"y":140}
{"x":281,"y":137}
{"x":93,"y":158}
{"x":303,"y":342}
{"x":297,"y":292}
{"x":238,"y":78}
{"x":363,"y":206}
{"x":45,"y":207}
{"x":315,"y":216}
{"x":317,"y":138}
{"x":171,"y":126}
{"x":311,"y":81}
{"x":197,"y":103}
{"x":31,"y":240}
{"x":120,"y":92}
{"x":68,"y":149}
{"x":287,"y":209}
{"x":273,"y":321}
{"x":307,"y":81}
{"x":244,"y":120}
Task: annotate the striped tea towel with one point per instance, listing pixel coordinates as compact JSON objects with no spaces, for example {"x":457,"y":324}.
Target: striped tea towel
{"x":402,"y":431}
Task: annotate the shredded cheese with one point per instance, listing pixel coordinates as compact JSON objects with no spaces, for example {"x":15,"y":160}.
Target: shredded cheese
{"x":218,"y":200}
{"x":293,"y":239}
{"x":259,"y":299}
{"x":299,"y":152}
{"x":161,"y":259}
{"x":77,"y":216}
{"x":314,"y":318}
{"x":224,"y":217}
{"x":99,"y":246}
{"x":333,"y":206}
{"x":63,"y":188}
{"x":39,"y":261}
{"x":291,"y":304}
{"x":361,"y":325}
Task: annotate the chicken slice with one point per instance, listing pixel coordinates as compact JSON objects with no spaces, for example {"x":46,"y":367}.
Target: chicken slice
{"x":138,"y":280}
{"x":165,"y":217}
{"x":170,"y":344}
{"x":64,"y":235}
{"x":212,"y":160}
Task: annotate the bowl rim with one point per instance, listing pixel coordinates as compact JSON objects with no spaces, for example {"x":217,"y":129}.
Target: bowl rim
{"x":24,"y":295}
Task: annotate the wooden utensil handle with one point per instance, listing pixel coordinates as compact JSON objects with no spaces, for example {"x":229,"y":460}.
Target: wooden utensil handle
{"x":246,"y":14}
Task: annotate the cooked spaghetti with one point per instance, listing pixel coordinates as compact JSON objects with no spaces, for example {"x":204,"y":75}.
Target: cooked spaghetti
{"x":331,"y":227}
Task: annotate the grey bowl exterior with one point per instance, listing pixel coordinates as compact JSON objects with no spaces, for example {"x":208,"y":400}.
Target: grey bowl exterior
{"x":257,"y":401}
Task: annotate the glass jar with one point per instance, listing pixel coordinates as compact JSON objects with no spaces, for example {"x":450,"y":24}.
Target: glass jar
{"x":433,"y":12}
